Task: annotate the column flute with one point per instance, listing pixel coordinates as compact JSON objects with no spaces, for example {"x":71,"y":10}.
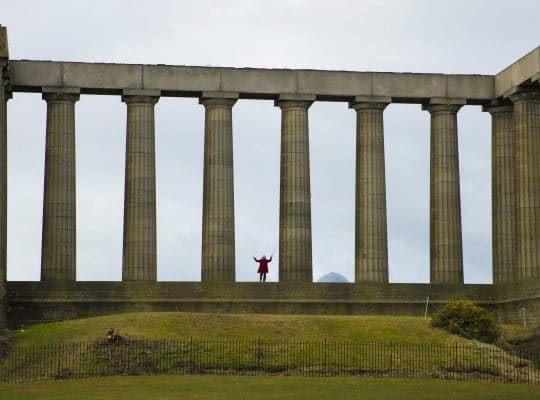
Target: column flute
{"x":503,"y":192}
{"x":527,"y":149}
{"x":371,"y":242}
{"x":5,"y":95}
{"x":295,"y":247}
{"x":446,"y":254}
{"x":218,"y":237}
{"x":58,"y":256}
{"x":139,"y":255}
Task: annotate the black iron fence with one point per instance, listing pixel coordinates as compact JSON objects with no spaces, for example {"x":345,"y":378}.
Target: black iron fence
{"x":477,"y":362}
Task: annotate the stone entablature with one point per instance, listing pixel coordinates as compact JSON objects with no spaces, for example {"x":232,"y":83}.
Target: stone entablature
{"x":260,"y":83}
{"x":251,"y":83}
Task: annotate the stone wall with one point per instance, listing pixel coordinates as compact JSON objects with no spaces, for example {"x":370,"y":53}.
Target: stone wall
{"x":32,"y":302}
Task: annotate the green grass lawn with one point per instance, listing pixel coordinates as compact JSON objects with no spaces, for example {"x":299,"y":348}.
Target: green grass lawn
{"x":168,"y":325}
{"x":233,"y":387}
{"x":277,"y":344}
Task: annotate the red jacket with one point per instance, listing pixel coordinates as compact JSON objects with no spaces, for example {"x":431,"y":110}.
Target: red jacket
{"x":263,"y":265}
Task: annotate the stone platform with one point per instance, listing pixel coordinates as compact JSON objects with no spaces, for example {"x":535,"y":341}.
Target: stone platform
{"x":32,"y":302}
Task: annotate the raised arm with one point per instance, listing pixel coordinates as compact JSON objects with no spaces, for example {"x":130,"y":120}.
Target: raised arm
{"x":270,"y":259}
{"x":256,"y":259}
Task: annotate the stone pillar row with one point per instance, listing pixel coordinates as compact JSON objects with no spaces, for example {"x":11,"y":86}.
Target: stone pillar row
{"x":516,"y":189}
{"x":527,"y":169}
{"x":516,"y":186}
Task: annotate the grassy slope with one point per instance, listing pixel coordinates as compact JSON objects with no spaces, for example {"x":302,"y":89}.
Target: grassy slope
{"x":185,"y":325}
{"x":410,"y":330}
{"x":233,"y":387}
{"x":520,"y":338}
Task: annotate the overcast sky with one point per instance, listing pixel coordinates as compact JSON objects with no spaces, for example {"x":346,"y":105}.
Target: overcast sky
{"x":466,"y":36}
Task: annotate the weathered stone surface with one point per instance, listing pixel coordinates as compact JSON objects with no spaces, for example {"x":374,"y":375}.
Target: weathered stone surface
{"x":446,"y":255}
{"x":190,"y":80}
{"x":471,"y":87}
{"x":508,"y":80}
{"x":258,"y":83}
{"x":139,"y":257}
{"x":371,"y":246}
{"x":32,"y":302}
{"x":100,"y":76}
{"x":58,"y":257}
{"x":341,"y":84}
{"x":4,"y":49}
{"x":295,"y":258}
{"x":218,"y":245}
{"x":503,"y":193}
{"x":3,"y":199}
{"x":408,"y":85}
{"x":35,"y":75}
{"x":527,"y":150}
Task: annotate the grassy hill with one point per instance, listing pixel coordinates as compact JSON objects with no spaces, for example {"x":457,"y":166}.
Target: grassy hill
{"x":193,"y":343}
{"x":247,"y":326}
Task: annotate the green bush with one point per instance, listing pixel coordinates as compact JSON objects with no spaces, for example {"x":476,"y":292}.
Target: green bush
{"x":477,"y":322}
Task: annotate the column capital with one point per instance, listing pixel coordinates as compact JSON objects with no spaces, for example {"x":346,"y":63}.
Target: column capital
{"x":526,"y":93}
{"x":370,"y":102}
{"x":51,"y":94}
{"x":292,"y":100}
{"x":361,"y":103}
{"x":441,"y":108}
{"x":132,"y":99}
{"x":146,"y":96}
{"x":496,"y":106}
{"x":8,"y":93}
{"x":218,"y":99}
{"x":219,"y":95}
{"x":443,"y":104}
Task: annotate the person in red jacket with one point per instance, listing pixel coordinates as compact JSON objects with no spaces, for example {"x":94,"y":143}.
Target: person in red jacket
{"x":263,"y":267}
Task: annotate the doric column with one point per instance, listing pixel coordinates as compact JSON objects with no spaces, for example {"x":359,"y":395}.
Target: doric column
{"x":446,"y":254}
{"x":527,"y":142}
{"x":295,"y":262}
{"x":503,"y":184}
{"x":58,"y":257}
{"x":4,"y":96}
{"x":218,"y":248}
{"x":371,"y":246}
{"x":139,"y":256}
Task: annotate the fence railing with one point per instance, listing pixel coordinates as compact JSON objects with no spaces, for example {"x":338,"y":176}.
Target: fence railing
{"x":268,"y":357}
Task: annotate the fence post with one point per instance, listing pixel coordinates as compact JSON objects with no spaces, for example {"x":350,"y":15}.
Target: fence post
{"x":259,"y":355}
{"x":324,"y":358}
{"x":190,"y":354}
{"x":455,"y":354}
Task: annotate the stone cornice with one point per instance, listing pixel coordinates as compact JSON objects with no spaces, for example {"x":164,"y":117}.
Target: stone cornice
{"x":250,"y":83}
